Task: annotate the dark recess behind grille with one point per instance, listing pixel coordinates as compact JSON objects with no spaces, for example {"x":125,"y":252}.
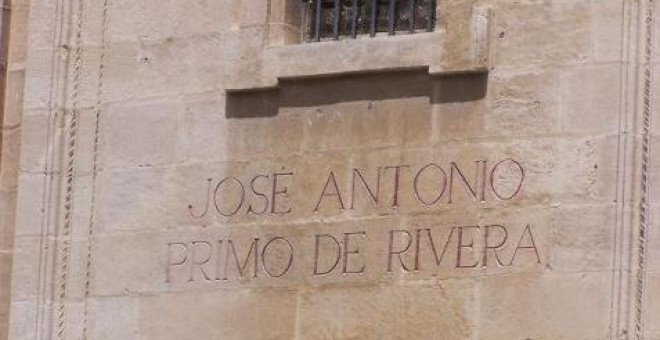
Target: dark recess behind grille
{"x":335,"y":19}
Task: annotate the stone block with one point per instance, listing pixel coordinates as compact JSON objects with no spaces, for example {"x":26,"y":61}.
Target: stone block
{"x":653,"y":167}
{"x":114,"y":318}
{"x":204,"y":128}
{"x":13,"y":109}
{"x":159,"y":71}
{"x":606,"y":34}
{"x":38,"y":84}
{"x":240,"y":55}
{"x":653,"y":306}
{"x":654,"y":242}
{"x":593,"y":99}
{"x":257,"y":138}
{"x":7,"y":219}
{"x":41,"y":32}
{"x":521,"y":104}
{"x":23,"y":320}
{"x":155,"y":145}
{"x":388,"y":312}
{"x":369,"y":124}
{"x":199,"y":315}
{"x":537,"y":306}
{"x":11,"y":148}
{"x":40,"y":136}
{"x":5,"y":281}
{"x":26,"y":265}
{"x":120,"y":79}
{"x":551,"y":33}
{"x":154,"y":204}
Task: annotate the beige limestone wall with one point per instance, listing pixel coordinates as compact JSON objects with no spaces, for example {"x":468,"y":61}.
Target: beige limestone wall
{"x":653,"y":291}
{"x":525,"y":119}
{"x":14,"y":48}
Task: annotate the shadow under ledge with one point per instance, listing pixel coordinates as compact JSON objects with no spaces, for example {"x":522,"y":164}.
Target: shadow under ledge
{"x":383,"y":85}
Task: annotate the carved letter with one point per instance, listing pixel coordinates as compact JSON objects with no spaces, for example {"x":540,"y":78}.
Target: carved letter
{"x":199,"y":262}
{"x":438,"y":259}
{"x":331,"y":178}
{"x":218,"y":263}
{"x":206,"y":207}
{"x":259,"y":194}
{"x":170,"y":258}
{"x":240,"y":203}
{"x":316,"y":254}
{"x":241,"y":268}
{"x":528,"y":230}
{"x":374,"y":196}
{"x":400,"y":252}
{"x":277,"y":192}
{"x":484,"y":169}
{"x":494,"y":248}
{"x":347,"y":252}
{"x":462,"y":246}
{"x":263,"y":257}
{"x":493,"y":175}
{"x":397,"y":175}
{"x":471,"y":190}
{"x":416,"y":184}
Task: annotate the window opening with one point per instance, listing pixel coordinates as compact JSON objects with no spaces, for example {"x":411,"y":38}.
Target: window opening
{"x":334,"y":19}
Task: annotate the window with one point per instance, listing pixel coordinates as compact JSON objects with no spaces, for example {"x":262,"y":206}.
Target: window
{"x":334,"y":19}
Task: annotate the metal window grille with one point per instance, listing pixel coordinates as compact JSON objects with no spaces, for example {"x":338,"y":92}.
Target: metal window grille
{"x":334,"y":19}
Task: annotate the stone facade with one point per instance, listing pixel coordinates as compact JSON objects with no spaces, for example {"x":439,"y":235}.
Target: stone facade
{"x":191,"y":170}
{"x":13,"y":51}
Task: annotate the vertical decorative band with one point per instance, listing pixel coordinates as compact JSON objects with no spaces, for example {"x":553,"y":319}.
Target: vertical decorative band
{"x":65,"y":231}
{"x":97,"y":123}
{"x":644,"y":224}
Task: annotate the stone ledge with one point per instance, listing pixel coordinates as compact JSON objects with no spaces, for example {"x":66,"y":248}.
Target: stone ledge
{"x":364,"y":54}
{"x":434,"y":51}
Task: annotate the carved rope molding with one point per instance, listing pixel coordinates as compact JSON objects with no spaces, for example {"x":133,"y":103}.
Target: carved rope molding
{"x":102,"y":60}
{"x":50,"y":204}
{"x":71,"y":152}
{"x":645,"y":225}
{"x":69,"y":65}
{"x":632,"y":227}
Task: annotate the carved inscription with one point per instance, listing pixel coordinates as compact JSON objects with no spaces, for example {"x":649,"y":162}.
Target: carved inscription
{"x":430,"y":184}
{"x":259,"y":195}
{"x":471,"y":246}
{"x":457,"y":248}
{"x":358,"y":250}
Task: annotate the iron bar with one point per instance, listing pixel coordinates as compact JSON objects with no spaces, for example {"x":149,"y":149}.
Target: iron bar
{"x":413,"y":7}
{"x":335,"y":24}
{"x":327,"y":21}
{"x":317,"y":24}
{"x":390,"y":23}
{"x":374,"y":17}
{"x":354,"y":19}
{"x":430,"y":15}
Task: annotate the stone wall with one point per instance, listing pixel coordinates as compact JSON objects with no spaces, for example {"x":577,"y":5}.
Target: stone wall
{"x":12,"y":80}
{"x":190,"y":170}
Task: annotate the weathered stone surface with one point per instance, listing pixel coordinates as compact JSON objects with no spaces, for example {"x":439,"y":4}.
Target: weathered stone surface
{"x":542,"y":33}
{"x":392,"y":312}
{"x":653,"y":331}
{"x":272,"y":315}
{"x":521,"y":307}
{"x":196,"y":171}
